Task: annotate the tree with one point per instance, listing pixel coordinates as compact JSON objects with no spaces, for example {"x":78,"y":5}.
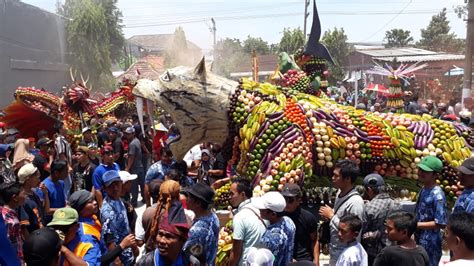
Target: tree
{"x":257,"y":44}
{"x":94,"y":35}
{"x":177,"y":50}
{"x":339,"y":48}
{"x":229,"y":56}
{"x":292,"y":40}
{"x":437,"y":36}
{"x":398,"y":38}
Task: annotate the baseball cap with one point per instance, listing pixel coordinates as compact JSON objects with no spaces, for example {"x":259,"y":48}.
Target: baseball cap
{"x":25,"y":172}
{"x":431,"y":164}
{"x":78,"y":199}
{"x":113,"y":129}
{"x":84,"y":130}
{"x":41,"y":246}
{"x":467,"y":167}
{"x":111,"y":176}
{"x":272,"y":200}
{"x":126,"y":176}
{"x":261,"y":257}
{"x":64,"y":216}
{"x":373,"y":180}
{"x":130,"y":130}
{"x":291,"y":190}
{"x":43,"y":141}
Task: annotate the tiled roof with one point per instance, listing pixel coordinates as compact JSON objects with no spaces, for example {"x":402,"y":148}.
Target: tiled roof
{"x":157,"y":42}
{"x":145,"y":69}
{"x":407,"y":54}
{"x":422,"y":58}
{"x":265,"y":63}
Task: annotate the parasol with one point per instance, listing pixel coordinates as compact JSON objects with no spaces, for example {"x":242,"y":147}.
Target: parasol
{"x":380,"y":88}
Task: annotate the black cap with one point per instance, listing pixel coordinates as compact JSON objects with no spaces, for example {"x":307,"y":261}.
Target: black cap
{"x":202,"y":192}
{"x":467,"y":167}
{"x":79,"y":199}
{"x":373,"y":180}
{"x":291,"y":190}
{"x":43,"y":141}
{"x":41,"y":246}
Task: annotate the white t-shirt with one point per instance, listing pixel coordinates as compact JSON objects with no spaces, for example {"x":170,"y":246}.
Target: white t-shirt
{"x":192,"y":155}
{"x":460,"y":263}
{"x":354,"y":255}
{"x":247,"y":227}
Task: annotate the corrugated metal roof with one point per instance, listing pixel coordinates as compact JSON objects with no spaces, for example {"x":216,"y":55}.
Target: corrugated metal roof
{"x":403,"y":51}
{"x":422,"y":58}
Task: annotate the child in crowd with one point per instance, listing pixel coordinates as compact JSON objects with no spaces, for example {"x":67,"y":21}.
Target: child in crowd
{"x":400,"y":227}
{"x":354,"y":254}
{"x":460,"y":238}
{"x":12,"y":197}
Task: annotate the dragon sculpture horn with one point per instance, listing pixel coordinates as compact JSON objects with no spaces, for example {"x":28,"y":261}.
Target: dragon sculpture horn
{"x":72,"y":75}
{"x":314,"y":47}
{"x":84,"y":82}
{"x":200,"y":69}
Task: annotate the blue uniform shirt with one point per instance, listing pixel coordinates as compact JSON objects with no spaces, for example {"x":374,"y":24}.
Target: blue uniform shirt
{"x":204,"y":233}
{"x":431,"y":206}
{"x":157,"y":170}
{"x":279,"y":239}
{"x":97,"y":180}
{"x":465,"y":202}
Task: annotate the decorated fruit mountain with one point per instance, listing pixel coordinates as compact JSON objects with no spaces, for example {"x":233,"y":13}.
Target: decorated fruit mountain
{"x":277,"y":134}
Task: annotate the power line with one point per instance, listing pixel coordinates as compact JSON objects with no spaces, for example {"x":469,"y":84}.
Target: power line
{"x":390,"y":21}
{"x":153,"y":23}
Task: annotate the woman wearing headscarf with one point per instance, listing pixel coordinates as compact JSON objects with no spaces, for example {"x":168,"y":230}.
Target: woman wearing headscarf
{"x":21,"y":154}
{"x":6,"y":171}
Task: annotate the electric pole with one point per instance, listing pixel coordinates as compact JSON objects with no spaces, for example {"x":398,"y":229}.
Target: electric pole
{"x":466,"y":92}
{"x":306,"y":14}
{"x":213,"y":30}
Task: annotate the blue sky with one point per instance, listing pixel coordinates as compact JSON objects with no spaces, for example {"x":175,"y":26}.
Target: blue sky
{"x":362,"y":20}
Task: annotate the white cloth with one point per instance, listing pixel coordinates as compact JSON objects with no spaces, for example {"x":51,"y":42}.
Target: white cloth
{"x":460,"y":263}
{"x":353,"y":255}
{"x":192,"y":155}
{"x":354,"y":205}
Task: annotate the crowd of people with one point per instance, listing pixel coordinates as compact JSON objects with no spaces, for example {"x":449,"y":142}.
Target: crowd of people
{"x":76,"y":206}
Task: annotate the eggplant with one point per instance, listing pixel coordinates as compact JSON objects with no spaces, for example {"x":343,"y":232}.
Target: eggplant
{"x":292,"y":138}
{"x":321,"y":114}
{"x":276,"y":118}
{"x":273,"y":115}
{"x":346,"y":131}
{"x":277,"y":146}
{"x":318,"y":116}
{"x":262,"y":130}
{"x":308,"y":121}
{"x":253,"y":143}
{"x":300,"y":130}
{"x":290,"y":133}
{"x":412,"y":126}
{"x":360,"y":137}
{"x":266,"y":161}
{"x":288,"y":129}
{"x":361,"y":132}
{"x":301,"y":108}
{"x":333,"y":117}
{"x":375,"y":137}
{"x":417,"y":141}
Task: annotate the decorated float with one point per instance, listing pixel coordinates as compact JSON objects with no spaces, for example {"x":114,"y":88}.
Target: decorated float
{"x":75,"y":108}
{"x":289,"y":131}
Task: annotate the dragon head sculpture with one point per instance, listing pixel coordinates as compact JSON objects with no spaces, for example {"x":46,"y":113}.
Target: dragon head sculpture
{"x":197,"y":101}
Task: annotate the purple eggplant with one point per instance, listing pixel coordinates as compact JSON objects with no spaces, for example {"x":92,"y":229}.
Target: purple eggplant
{"x":318,"y":116}
{"x":361,"y":132}
{"x":346,"y":131}
{"x":276,"y":117}
{"x":375,"y":137}
{"x":412,"y":126}
{"x":301,"y":131}
{"x":279,"y":144}
{"x":262,"y":130}
{"x":301,"y":108}
{"x":288,"y":129}
{"x":290,"y":133}
{"x":310,"y":124}
{"x":360,"y":137}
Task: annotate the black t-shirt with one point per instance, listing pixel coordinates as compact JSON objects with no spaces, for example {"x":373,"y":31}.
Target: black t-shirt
{"x":32,"y":211}
{"x":118,"y":147}
{"x":396,"y":255}
{"x":219,"y":164}
{"x":306,"y":224}
{"x":82,"y":176}
{"x":41,"y":162}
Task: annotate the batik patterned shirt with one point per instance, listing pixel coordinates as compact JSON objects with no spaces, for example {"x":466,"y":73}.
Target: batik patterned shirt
{"x":203,"y":235}
{"x":115,"y":223}
{"x":12,"y":223}
{"x":279,"y":239}
{"x":465,"y":202}
{"x":431,"y":206}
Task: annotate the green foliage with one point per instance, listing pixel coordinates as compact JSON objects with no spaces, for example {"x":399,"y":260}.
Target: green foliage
{"x":257,"y":44}
{"x":337,"y":45}
{"x":398,"y":38}
{"x":437,"y":36}
{"x":177,"y":50}
{"x":292,"y":40}
{"x":94,"y":37}
{"x":228,"y":56}
{"x":461,"y":10}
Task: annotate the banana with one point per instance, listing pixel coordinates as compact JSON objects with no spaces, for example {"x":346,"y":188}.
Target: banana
{"x":395,"y":142}
{"x":450,"y":144}
{"x":447,"y":148}
{"x":405,"y":151}
{"x":342,"y":142}
{"x":396,"y":133}
{"x":398,"y":153}
{"x":405,"y":163}
{"x":330,"y":132}
{"x":447,"y":157}
{"x":342,"y":153}
{"x":335,"y":154}
{"x":401,"y":128}
{"x":457,"y":155}
{"x":334,"y":143}
{"x":404,"y":144}
{"x":413,"y":152}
